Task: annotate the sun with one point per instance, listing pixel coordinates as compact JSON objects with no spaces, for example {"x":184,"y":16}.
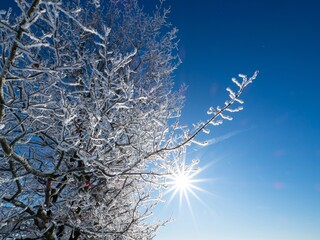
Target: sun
{"x":182,"y":181}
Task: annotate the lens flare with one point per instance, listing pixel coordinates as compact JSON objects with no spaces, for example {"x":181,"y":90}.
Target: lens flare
{"x":182,"y":181}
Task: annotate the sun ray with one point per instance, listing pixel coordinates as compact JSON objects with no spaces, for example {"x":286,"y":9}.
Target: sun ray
{"x":182,"y":181}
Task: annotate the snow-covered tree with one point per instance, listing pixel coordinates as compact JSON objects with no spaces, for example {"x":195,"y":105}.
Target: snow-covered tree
{"x":89,"y":120}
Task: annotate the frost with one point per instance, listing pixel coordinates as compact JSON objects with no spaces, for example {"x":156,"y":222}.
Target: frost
{"x":107,"y":31}
{"x":232,"y":95}
{"x":2,"y":126}
{"x":216,"y":123}
{"x":43,"y":10}
{"x":158,"y":122}
{"x":26,"y":25}
{"x":239,"y":100}
{"x":195,"y":161}
{"x":211,"y":111}
{"x":206,"y":131}
{"x":78,"y":10}
{"x":226,"y":117}
{"x":202,"y":144}
{"x":44,"y":44}
{"x":96,"y":3}
{"x":242,"y":76}
{"x":254,"y":76}
{"x":235,"y":110}
{"x":69,"y":119}
{"x":198,"y":124}
{"x":236,"y":82}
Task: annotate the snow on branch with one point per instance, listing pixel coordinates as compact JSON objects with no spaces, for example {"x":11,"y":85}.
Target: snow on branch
{"x":234,"y":97}
{"x":90,"y":119}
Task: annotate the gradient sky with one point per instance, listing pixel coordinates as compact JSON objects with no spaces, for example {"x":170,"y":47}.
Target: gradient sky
{"x":265,"y":175}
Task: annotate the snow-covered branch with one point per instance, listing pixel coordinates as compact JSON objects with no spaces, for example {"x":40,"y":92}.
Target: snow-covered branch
{"x":89,"y":119}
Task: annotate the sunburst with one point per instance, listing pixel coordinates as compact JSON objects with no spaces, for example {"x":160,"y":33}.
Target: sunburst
{"x":182,"y":181}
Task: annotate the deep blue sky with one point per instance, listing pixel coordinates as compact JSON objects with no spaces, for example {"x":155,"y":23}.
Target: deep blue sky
{"x":266,"y":177}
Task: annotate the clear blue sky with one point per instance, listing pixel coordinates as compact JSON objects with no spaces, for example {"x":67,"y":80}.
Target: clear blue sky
{"x":266,"y":178}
